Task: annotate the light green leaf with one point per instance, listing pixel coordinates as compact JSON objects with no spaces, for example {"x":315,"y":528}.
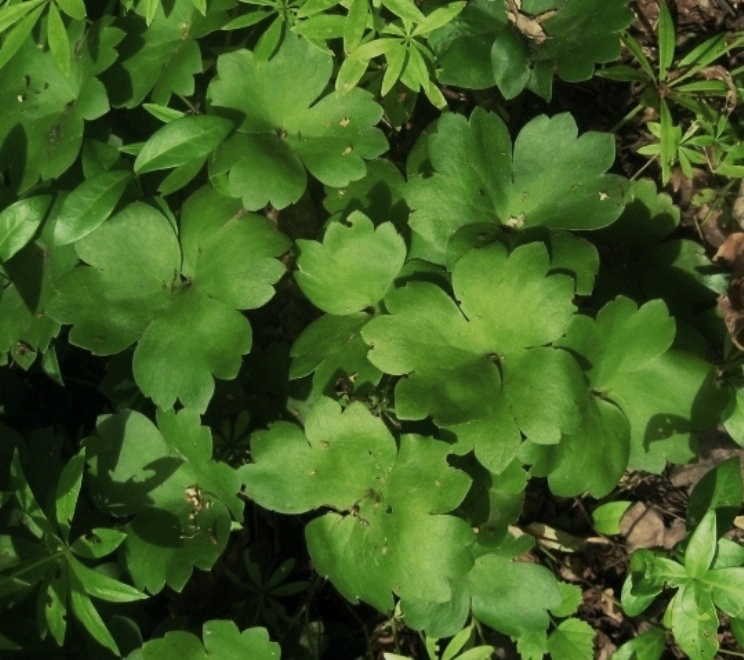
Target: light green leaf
{"x":572,"y":596}
{"x":647,"y":646}
{"x":19,"y":222}
{"x":88,"y":206}
{"x":287,"y":128}
{"x":453,"y":355}
{"x":353,"y":268}
{"x":572,"y":640}
{"x":17,"y":36}
{"x":59,"y":42}
{"x":355,"y":25}
{"x":151,"y":9}
{"x":11,"y":14}
{"x":68,"y":490}
{"x":149,"y":293}
{"x":606,"y":517}
{"x":438,"y":18}
{"x":512,"y":597}
{"x":406,"y":9}
{"x":349,"y":460}
{"x":727,"y":585}
{"x":73,"y":8}
{"x":533,"y":646}
{"x":182,"y":141}
{"x":222,"y":640}
{"x":694,"y":621}
{"x":101,"y":586}
{"x":163,"y":113}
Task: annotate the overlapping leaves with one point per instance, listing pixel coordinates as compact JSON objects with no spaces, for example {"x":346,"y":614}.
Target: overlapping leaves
{"x":165,"y":477}
{"x":551,"y":177}
{"x":176,"y":296}
{"x":388,"y":532}
{"x":520,"y":43}
{"x":285,"y":128}
{"x":44,"y":110}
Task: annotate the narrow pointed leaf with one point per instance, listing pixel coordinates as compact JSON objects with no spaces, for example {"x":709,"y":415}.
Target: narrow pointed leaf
{"x":68,"y":490}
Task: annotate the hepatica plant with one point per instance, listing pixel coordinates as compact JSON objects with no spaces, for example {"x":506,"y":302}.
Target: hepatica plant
{"x":202,"y":222}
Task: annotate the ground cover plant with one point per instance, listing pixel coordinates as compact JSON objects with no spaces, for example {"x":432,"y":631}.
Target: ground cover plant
{"x":371,"y":329}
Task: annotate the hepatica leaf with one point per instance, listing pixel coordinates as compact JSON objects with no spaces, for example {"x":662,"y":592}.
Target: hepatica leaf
{"x":389,"y":532}
{"x":486,"y":358}
{"x":551,"y":177}
{"x":353,"y":268}
{"x":179,"y":301}
{"x":286,"y":128}
{"x":180,"y":499}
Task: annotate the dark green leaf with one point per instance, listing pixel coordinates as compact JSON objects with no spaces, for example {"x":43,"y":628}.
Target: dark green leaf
{"x":19,"y":223}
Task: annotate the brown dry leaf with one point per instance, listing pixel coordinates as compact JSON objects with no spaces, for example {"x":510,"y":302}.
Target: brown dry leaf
{"x":732,"y":304}
{"x":737,"y":211}
{"x":529,"y":26}
{"x":643,"y":527}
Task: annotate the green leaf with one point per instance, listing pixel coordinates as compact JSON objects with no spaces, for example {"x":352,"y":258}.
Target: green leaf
{"x":55,"y":595}
{"x":451,"y":362}
{"x":90,"y":205}
{"x":476,"y":46}
{"x":73,"y":8}
{"x":572,"y":640}
{"x":86,"y":613}
{"x":11,"y":14}
{"x":332,"y":348}
{"x":59,"y":42}
{"x":439,"y":18}
{"x":570,"y":190}
{"x":606,"y":517}
{"x":727,"y":586}
{"x":101,"y":586}
{"x":68,"y":491}
{"x":98,"y":543}
{"x":694,"y":621}
{"x":151,"y":9}
{"x":719,"y":489}
{"x":388,"y":532}
{"x":285,"y":127}
{"x":182,"y":141}
{"x":667,"y":38}
{"x":572,"y":596}
{"x":19,"y":223}
{"x":647,"y":646}
{"x":533,"y":646}
{"x":665,"y":394}
{"x":44,"y":112}
{"x":512,"y":597}
{"x":161,"y":59}
{"x":406,"y":9}
{"x":181,"y":500}
{"x":353,"y":268}
{"x":151,"y":292}
{"x":222,"y":639}
{"x":355,"y":25}
{"x":35,"y":519}
{"x":17,"y":36}
{"x":701,"y":548}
